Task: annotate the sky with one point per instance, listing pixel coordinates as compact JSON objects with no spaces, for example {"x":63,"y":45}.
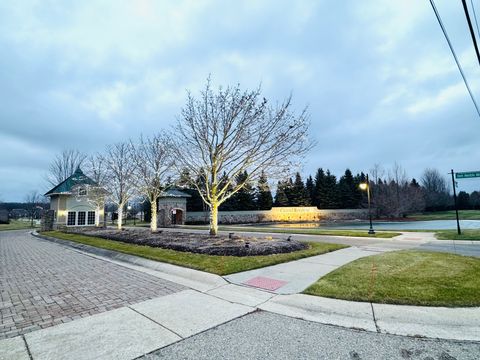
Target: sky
{"x":378,"y":77}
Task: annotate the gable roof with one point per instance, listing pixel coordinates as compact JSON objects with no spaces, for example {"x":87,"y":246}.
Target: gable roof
{"x":65,"y":187}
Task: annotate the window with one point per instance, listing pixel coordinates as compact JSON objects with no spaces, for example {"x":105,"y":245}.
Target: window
{"x":82,"y":192}
{"x":71,"y":218}
{"x":91,"y":218}
{"x":81,"y":218}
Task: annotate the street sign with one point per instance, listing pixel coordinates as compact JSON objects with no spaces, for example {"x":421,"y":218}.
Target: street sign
{"x":467,"y":174}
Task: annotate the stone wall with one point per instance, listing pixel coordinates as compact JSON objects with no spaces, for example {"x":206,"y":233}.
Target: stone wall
{"x":166,"y":205}
{"x":48,"y":219}
{"x":279,"y":214}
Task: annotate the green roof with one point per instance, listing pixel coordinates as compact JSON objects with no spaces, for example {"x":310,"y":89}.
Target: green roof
{"x":174,"y":193}
{"x":66,"y":186}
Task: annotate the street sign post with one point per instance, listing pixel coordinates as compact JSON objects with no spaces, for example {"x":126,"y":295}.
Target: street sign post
{"x":455,"y":200}
{"x":467,"y":174}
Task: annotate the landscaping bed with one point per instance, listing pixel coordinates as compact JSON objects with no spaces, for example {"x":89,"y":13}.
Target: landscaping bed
{"x":200,"y":243}
{"x":216,"y":264}
{"x":405,"y":277}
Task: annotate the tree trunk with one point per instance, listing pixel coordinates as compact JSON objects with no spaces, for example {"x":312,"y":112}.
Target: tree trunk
{"x":214,"y":218}
{"x":120,"y":217}
{"x":153,"y":220}
{"x":97,"y":216}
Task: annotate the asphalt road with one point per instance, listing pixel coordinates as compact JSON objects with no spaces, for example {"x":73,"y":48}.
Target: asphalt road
{"x":264,"y":335}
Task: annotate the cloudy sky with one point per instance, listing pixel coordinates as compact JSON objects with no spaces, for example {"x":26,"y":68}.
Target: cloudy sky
{"x":378,"y":77}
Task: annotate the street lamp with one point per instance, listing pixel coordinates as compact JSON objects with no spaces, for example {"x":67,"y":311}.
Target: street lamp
{"x":128,"y":208}
{"x":366,"y":186}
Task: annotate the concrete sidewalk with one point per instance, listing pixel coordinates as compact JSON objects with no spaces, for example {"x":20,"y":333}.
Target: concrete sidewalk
{"x":295,"y":276}
{"x":128,"y":332}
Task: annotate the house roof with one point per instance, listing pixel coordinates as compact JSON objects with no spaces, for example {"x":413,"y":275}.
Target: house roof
{"x":65,"y":187}
{"x":175,"y":193}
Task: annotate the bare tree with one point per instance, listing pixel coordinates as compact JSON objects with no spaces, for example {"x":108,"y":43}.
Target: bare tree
{"x":64,"y":165}
{"x":224,"y":134}
{"x":437,"y":192}
{"x":154,"y":162}
{"x":119,"y":168}
{"x":32,"y":200}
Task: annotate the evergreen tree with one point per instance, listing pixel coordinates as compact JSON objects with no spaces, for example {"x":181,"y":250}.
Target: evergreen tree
{"x":319,"y":190}
{"x":331,"y":191}
{"x":281,"y":199}
{"x":244,"y":199}
{"x":347,"y":191}
{"x":264,"y":199}
{"x":231,"y":203}
{"x":310,"y":187}
{"x":299,"y":195}
{"x":289,"y":191}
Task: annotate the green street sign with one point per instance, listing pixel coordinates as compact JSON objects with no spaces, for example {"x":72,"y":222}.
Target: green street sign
{"x":468,"y":174}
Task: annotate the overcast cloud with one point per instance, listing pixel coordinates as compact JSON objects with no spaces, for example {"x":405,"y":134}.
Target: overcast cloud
{"x":378,"y":77}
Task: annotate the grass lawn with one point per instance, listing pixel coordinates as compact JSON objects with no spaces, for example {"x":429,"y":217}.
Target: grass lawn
{"x":16,"y":225}
{"x":221,"y":265}
{"x":470,"y":234}
{"x":316,"y":231}
{"x":447,"y":215}
{"x":405,"y":277}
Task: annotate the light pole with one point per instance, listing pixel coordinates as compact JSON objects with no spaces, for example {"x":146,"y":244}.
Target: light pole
{"x":366,"y":186}
{"x":128,"y":208}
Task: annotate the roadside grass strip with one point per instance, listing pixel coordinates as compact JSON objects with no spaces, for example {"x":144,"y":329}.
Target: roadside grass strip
{"x":447,"y":215}
{"x":220,"y":265}
{"x":407,"y":278}
{"x":16,"y":225}
{"x":469,"y":234}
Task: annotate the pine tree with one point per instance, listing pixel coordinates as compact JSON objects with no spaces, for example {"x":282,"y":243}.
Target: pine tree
{"x":281,"y":199}
{"x":244,"y":199}
{"x":347,"y":190}
{"x":264,"y":199}
{"x":310,"y":187}
{"x":289,"y":191}
{"x":299,"y":196}
{"x":319,"y":192}
{"x":331,"y":191}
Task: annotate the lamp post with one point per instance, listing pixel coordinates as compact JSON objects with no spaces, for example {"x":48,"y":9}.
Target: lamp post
{"x":128,"y":208}
{"x":366,"y":186}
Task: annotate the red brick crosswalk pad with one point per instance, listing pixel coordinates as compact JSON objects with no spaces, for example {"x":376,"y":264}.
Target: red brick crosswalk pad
{"x":265,"y":283}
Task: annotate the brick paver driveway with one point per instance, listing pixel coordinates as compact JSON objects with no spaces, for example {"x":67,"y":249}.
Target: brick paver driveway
{"x":44,"y":284}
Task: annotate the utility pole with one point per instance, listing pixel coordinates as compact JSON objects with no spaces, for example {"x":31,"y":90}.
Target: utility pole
{"x":455,"y":202}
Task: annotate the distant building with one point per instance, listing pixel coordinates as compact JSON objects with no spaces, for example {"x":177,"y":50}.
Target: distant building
{"x":77,"y":201}
{"x":172,"y":208}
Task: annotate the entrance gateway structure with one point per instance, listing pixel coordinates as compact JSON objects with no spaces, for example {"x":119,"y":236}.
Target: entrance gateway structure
{"x":172,"y":208}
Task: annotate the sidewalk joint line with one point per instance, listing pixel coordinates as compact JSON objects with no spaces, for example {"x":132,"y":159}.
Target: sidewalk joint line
{"x":156,"y":322}
{"x":26,"y":346}
{"x":375,"y":319}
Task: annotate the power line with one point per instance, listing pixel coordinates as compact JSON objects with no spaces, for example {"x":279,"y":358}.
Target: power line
{"x":454,"y":55}
{"x":475,"y":17}
{"x":470,"y":27}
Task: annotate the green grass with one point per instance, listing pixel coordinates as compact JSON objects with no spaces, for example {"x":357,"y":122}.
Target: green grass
{"x":221,"y":265}
{"x":405,"y":277}
{"x":447,"y":215}
{"x":16,"y":225}
{"x":316,"y":231}
{"x":470,"y":234}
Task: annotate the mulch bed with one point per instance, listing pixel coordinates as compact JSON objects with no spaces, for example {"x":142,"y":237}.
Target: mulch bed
{"x":200,"y":243}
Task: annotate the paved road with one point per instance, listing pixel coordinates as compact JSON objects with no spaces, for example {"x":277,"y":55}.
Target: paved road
{"x":45,"y":284}
{"x":263,"y":335}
